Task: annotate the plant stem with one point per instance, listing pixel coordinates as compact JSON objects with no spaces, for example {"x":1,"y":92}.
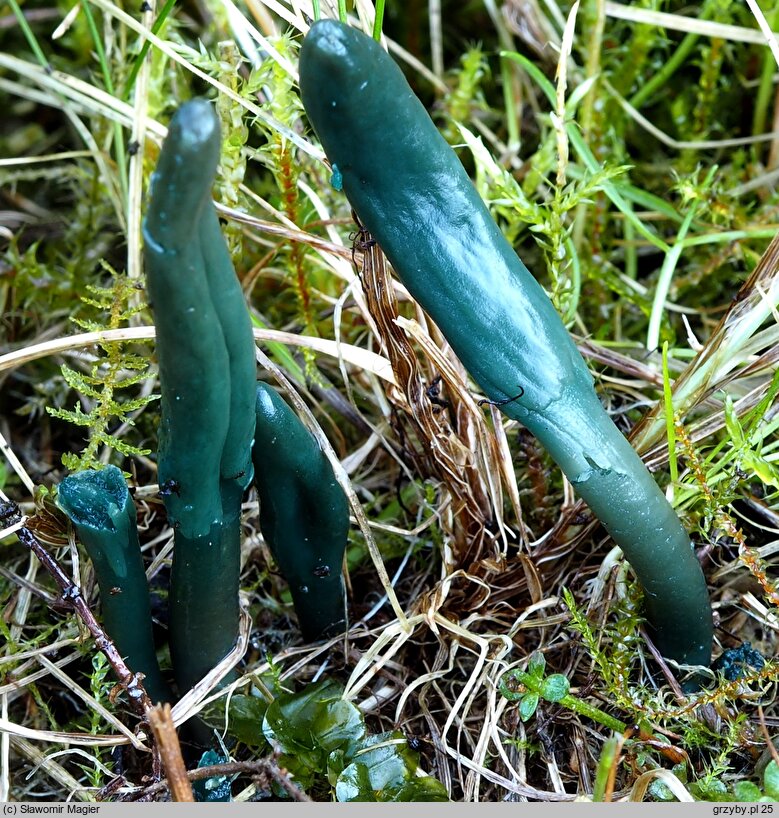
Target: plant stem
{"x":378,"y":20}
{"x":28,"y":34}
{"x":765,"y":90}
{"x":603,"y":773}
{"x":121,"y":156}
{"x":667,"y":270}
{"x":597,"y":14}
{"x":158,"y":23}
{"x":669,"y":416}
{"x":534,"y":684}
{"x":667,"y":70}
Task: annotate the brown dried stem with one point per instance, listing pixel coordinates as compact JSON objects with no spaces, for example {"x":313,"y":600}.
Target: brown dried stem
{"x":161,"y":723}
{"x":449,"y":452}
{"x":263,"y":768}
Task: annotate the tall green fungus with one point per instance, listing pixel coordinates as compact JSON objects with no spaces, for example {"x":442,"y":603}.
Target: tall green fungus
{"x":103,"y":515}
{"x":304,"y":514}
{"x":205,"y":350}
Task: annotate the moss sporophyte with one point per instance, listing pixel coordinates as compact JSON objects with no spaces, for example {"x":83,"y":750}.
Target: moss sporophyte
{"x":453,"y":259}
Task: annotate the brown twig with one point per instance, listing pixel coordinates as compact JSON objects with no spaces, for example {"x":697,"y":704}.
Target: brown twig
{"x":665,"y":670}
{"x":71,"y":595}
{"x":110,"y":789}
{"x":161,"y":723}
{"x":766,"y":735}
{"x":262,"y":767}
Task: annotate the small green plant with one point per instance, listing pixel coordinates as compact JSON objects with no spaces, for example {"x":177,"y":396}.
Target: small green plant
{"x":613,"y":656}
{"x":117,"y":369}
{"x":528,"y":687}
{"x":465,"y":96}
{"x":100,"y":686}
{"x":606,"y":762}
{"x":281,"y":157}
{"x":716,"y":788}
{"x":323,"y":741}
{"x":765,"y":792}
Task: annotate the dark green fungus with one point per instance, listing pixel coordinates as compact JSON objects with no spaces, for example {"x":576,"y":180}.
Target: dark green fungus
{"x":207,"y":372}
{"x":103,"y":515}
{"x":304,"y":514}
{"x":411,"y":192}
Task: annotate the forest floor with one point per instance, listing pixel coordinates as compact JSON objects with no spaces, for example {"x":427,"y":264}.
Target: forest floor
{"x":630,"y":153}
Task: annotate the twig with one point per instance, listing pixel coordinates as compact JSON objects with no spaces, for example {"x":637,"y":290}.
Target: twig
{"x":71,"y":594}
{"x":665,"y":670}
{"x":263,"y":766}
{"x":766,"y":735}
{"x":161,"y":723}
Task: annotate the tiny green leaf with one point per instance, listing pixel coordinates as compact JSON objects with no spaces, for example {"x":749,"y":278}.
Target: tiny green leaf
{"x":354,"y":784}
{"x":771,"y":780}
{"x":660,"y":790}
{"x":422,"y":789}
{"x":608,"y":756}
{"x":746,"y":791}
{"x":384,"y":770}
{"x":245,"y":719}
{"x":528,"y":705}
{"x":536,"y":665}
{"x":710,"y":790}
{"x":555,"y":687}
{"x":336,"y":764}
{"x":311,"y":724}
{"x":732,"y":423}
{"x":765,"y":470}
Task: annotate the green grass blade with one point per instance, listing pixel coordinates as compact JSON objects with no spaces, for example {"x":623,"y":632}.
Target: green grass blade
{"x":585,"y":154}
{"x":158,"y":23}
{"x":667,"y":270}
{"x":102,"y":58}
{"x":379,"y":20}
{"x":32,"y":41}
{"x":669,"y":416}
